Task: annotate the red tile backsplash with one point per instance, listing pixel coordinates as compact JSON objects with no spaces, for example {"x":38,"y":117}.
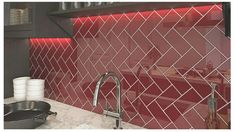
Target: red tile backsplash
{"x":166,"y":61}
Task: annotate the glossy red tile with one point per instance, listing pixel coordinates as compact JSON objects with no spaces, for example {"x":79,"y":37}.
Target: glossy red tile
{"x":195,"y":120}
{"x":135,"y":57}
{"x":158,"y":41}
{"x":152,"y":91}
{"x":170,"y":126}
{"x":163,"y":13}
{"x":182,"y":11}
{"x":168,"y":22}
{"x":108,"y":25}
{"x":197,"y":41}
{"x":170,"y":93}
{"x":182,"y":123}
{"x":180,"y":84}
{"x":152,"y":57}
{"x":173,"y":113}
{"x":135,"y":24}
{"x":186,"y":58}
{"x":219,"y":42}
{"x":187,"y":22}
{"x":152,"y":19}
{"x":114,"y":40}
{"x":102,"y":41}
{"x":153,"y":124}
{"x":120,"y":57}
{"x":177,"y":42}
{"x":91,"y":69}
{"x":81,"y":69}
{"x":143,"y":111}
{"x":142,"y":41}
{"x":137,"y":120}
{"x":85,"y":26}
{"x":162,"y":82}
{"x":127,"y":41}
{"x":159,"y":114}
{"x":170,"y":57}
{"x":129,"y":108}
{"x":121,"y":25}
{"x":165,"y":59}
{"x":209,"y":20}
{"x":203,"y":9}
{"x":107,"y":56}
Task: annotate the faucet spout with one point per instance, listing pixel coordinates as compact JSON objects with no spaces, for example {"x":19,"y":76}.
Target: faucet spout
{"x":118,"y":93}
{"x":97,"y":89}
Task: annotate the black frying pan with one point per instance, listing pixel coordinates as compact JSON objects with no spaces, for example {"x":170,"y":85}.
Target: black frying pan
{"x":26,"y":114}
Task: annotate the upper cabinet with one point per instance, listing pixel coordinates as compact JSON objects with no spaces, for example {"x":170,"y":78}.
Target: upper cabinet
{"x":30,"y":19}
{"x":120,"y":7}
{"x":65,"y":12}
{"x":53,"y":19}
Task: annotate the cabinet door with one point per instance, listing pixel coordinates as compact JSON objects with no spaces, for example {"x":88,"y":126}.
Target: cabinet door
{"x":44,"y":26}
{"x":34,"y":23}
{"x":18,"y":19}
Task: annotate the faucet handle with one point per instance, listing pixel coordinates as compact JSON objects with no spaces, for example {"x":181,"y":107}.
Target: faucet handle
{"x":118,"y":124}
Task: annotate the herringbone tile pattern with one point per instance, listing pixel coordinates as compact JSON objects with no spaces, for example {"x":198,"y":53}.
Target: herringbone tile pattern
{"x":160,"y":57}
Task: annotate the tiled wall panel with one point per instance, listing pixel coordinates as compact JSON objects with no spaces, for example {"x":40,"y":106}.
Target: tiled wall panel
{"x":166,"y":61}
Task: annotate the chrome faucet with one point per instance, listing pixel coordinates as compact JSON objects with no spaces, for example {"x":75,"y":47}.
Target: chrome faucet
{"x":116,"y":114}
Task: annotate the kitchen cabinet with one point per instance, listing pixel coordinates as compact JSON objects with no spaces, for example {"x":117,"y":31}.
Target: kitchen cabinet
{"x":124,"y":7}
{"x":63,"y":17}
{"x":30,"y":19}
{"x":16,"y":62}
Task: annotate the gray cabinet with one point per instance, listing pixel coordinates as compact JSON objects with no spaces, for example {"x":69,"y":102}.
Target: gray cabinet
{"x":16,"y":62}
{"x":34,"y":22}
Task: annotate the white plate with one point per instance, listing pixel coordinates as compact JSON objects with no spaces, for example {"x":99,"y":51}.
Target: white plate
{"x":19,"y":87}
{"x":19,"y":94}
{"x":35,"y":98}
{"x":40,"y":93}
{"x":33,"y":82}
{"x":19,"y":91}
{"x":33,"y":88}
{"x":20,"y":80}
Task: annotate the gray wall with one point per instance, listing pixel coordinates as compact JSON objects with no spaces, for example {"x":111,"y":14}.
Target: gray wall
{"x":16,"y":62}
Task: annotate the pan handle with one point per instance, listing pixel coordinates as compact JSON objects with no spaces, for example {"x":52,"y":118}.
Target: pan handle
{"x":40,"y":118}
{"x":52,"y":113}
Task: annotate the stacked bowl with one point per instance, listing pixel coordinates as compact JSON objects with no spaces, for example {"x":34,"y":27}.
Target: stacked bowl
{"x":35,"y":89}
{"x":20,"y":88}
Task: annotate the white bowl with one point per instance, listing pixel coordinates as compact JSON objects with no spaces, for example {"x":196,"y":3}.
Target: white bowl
{"x":35,"y":93}
{"x":35,"y":97}
{"x":20,"y":91}
{"x":20,"y":80}
{"x":35,"y":88}
{"x":19,"y":87}
{"x":19,"y":94}
{"x":33,"y":82}
{"x":19,"y":97}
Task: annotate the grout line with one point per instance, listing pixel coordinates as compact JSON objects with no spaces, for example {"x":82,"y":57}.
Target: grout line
{"x":211,"y":44}
{"x":173,"y":25}
{"x":188,"y":43}
{"x":182,"y":116}
{"x":162,"y":18}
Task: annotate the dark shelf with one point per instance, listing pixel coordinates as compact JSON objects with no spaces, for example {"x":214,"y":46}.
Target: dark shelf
{"x":24,"y":27}
{"x":124,"y":7}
